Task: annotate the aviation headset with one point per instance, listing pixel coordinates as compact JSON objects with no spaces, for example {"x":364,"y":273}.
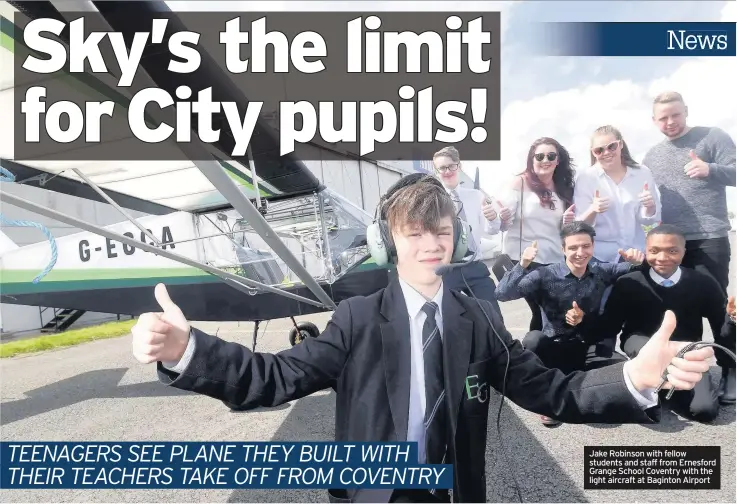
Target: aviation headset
{"x":378,"y":235}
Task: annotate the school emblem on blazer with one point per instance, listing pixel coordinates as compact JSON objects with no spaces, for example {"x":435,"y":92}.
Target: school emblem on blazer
{"x":476,"y":390}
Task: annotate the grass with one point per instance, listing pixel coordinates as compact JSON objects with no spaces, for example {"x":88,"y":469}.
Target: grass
{"x":67,"y":338}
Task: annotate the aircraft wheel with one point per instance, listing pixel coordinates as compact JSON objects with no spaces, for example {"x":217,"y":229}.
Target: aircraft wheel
{"x":302,"y":331}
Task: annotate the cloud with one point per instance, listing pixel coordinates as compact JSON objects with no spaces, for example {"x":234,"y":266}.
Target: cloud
{"x":729,"y":13}
{"x":571,"y":115}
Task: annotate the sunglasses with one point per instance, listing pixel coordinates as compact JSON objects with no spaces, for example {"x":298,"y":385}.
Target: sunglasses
{"x":598,"y":151}
{"x":552,"y":156}
{"x":451,"y":167}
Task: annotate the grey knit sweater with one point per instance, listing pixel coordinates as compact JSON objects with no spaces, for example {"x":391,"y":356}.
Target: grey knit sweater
{"x":697,"y":206}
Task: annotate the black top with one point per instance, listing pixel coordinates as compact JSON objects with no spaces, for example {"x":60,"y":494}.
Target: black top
{"x":638,"y":304}
{"x":555,"y":288}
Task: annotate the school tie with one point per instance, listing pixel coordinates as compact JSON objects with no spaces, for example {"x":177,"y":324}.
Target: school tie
{"x":462,"y":215}
{"x":435,"y":414}
{"x":667,"y":283}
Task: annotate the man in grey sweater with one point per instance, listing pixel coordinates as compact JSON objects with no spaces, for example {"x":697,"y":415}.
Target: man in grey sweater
{"x":692,"y":167}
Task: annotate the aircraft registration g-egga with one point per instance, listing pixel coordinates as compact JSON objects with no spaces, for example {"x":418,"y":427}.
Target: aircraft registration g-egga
{"x":263,"y":226}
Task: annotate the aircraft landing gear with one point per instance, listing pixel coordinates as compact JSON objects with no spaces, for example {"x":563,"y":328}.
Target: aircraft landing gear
{"x":255,"y":335}
{"x":301,"y":331}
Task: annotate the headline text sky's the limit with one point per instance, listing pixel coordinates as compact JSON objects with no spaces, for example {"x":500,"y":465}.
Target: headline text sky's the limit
{"x":304,"y":53}
{"x":380,"y":50}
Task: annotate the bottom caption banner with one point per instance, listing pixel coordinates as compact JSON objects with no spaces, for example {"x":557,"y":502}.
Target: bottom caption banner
{"x":652,"y":468}
{"x":192,"y":465}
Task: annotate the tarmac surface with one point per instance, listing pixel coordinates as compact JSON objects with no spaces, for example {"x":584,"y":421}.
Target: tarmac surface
{"x":98,"y":392}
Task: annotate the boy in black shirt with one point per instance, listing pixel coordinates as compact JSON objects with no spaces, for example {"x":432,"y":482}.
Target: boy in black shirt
{"x":640,"y":299}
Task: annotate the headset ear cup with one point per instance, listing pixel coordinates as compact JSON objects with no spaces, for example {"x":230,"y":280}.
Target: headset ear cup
{"x":461,"y":231}
{"x":386,"y":236}
{"x":376,"y":245}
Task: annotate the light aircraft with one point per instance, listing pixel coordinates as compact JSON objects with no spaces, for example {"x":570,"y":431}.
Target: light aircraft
{"x":251,"y":239}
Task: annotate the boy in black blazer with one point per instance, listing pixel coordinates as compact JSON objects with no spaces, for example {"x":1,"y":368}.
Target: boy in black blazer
{"x":414,"y":354}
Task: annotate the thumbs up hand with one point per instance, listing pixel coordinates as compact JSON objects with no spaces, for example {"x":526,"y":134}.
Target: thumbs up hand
{"x":528,"y":255}
{"x":574,"y":316}
{"x":632,"y":256}
{"x":599,"y":205}
{"x":646,"y":198}
{"x":161,"y":336}
{"x":504,"y":212}
{"x":569,"y":215}
{"x":488,"y":210}
{"x":659,"y":353}
{"x":696,"y":168}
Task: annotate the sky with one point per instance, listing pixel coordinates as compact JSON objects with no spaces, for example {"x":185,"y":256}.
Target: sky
{"x":567,"y":98}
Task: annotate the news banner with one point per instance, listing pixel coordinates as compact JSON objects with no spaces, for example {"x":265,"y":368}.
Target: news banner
{"x":192,"y":465}
{"x":317,"y":465}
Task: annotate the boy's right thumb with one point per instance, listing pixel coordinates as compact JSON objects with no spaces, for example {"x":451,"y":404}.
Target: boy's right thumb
{"x":162,"y":297}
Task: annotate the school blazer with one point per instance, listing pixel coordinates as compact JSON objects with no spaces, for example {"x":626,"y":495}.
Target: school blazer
{"x":364,"y":353}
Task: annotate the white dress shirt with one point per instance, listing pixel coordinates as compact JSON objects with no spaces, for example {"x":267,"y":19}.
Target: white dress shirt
{"x":473,"y":200}
{"x":416,"y":418}
{"x":620,"y":227}
{"x":415,"y":301}
{"x":539,"y":223}
{"x":675,"y":277}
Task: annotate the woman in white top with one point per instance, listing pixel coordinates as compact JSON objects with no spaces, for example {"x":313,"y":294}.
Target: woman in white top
{"x":616,"y":195}
{"x":538,"y":198}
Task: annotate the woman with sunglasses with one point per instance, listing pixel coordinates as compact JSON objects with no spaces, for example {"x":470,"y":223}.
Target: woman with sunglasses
{"x":616,"y":195}
{"x":539,"y":198}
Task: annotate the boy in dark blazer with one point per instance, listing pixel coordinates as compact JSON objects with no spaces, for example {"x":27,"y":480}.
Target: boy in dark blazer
{"x":414,"y":361}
